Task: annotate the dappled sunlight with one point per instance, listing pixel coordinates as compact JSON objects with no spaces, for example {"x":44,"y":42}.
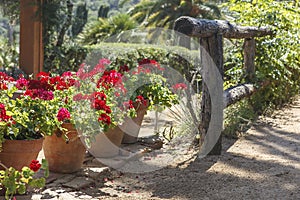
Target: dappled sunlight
{"x":235,"y":171}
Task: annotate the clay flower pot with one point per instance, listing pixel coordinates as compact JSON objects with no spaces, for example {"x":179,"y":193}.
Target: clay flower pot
{"x":131,"y":126}
{"x":64,"y":156}
{"x":20,"y":153}
{"x":107,"y":144}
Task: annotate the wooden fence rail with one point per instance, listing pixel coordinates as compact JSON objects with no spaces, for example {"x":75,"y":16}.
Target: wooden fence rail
{"x":211,"y":34}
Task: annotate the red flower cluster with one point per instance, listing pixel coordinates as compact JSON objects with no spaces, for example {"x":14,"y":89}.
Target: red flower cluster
{"x":110,"y":79}
{"x":179,"y":86}
{"x":141,"y":99}
{"x":150,"y":63}
{"x":3,"y":116}
{"x":123,"y":69}
{"x":39,"y":94}
{"x":22,"y":83}
{"x":98,"y":102}
{"x":146,"y":66}
{"x":63,"y":114}
{"x":80,"y":97}
{"x":4,"y":79}
{"x":128,"y":104}
{"x":99,"y":68}
{"x":43,"y":87}
{"x":64,"y":81}
{"x":105,"y":118}
{"x":35,"y":165}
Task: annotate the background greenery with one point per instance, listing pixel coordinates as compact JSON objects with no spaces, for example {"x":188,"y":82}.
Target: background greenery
{"x":73,"y":28}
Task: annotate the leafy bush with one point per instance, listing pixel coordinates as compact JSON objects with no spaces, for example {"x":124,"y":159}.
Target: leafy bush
{"x":277,"y":58}
{"x":8,"y":55}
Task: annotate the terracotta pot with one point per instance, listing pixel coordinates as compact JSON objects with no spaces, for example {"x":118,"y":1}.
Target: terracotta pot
{"x":62,"y":156}
{"x":20,"y":153}
{"x":107,"y":144}
{"x":131,"y":126}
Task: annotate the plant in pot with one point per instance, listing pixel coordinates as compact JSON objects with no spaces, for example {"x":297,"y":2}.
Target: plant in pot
{"x":24,"y":121}
{"x":147,"y":83}
{"x":101,"y":107}
{"x":13,"y":182}
{"x":63,"y":148}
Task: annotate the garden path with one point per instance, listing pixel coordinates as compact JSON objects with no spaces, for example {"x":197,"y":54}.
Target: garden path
{"x":262,"y":164}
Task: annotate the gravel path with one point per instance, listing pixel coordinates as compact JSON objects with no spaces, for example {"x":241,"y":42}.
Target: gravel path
{"x":264,"y":164}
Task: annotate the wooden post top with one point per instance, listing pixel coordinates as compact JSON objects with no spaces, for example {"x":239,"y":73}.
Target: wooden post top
{"x":206,"y":28}
{"x":31,"y":45}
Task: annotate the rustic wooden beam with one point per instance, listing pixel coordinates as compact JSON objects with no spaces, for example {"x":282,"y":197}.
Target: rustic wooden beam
{"x":206,"y":28}
{"x":249,"y":58}
{"x":211,"y":56}
{"x":31,"y":47}
{"x":236,"y":93}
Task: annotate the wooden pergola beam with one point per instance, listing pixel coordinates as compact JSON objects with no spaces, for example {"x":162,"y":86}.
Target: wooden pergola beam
{"x":31,"y":43}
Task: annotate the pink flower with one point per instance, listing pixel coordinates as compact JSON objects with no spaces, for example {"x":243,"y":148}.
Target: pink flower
{"x":63,"y":114}
{"x":22,"y":83}
{"x":179,"y":86}
{"x":128,"y":104}
{"x":67,"y":73}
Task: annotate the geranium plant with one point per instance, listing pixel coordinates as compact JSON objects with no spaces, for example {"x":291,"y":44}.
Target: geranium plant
{"x":107,"y":94}
{"x":100,"y":100}
{"x":14,"y":182}
{"x":29,"y":115}
{"x":147,"y":80}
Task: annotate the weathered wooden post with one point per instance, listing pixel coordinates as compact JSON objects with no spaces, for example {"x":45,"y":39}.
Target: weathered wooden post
{"x":210,"y":34}
{"x":211,"y":46}
{"x":31,"y":45}
{"x":249,"y":58}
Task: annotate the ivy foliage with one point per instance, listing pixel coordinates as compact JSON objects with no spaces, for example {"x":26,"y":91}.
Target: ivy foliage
{"x":277,"y":57}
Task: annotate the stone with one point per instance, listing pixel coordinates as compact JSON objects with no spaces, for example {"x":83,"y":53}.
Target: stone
{"x":97,"y":173}
{"x":79,"y":182}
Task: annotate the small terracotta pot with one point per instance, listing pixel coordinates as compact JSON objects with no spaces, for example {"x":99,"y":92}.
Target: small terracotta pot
{"x":131,"y":126}
{"x":107,"y":144}
{"x":63,"y":156}
{"x":20,"y":153}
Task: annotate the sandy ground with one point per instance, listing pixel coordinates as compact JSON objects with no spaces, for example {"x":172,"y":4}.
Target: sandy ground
{"x":263,"y":164}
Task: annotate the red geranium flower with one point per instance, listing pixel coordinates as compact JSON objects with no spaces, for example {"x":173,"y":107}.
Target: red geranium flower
{"x":63,"y":114}
{"x":128,"y":104}
{"x":141,"y":99}
{"x":105,"y":118}
{"x":22,"y":83}
{"x":35,"y":165}
{"x":179,"y":86}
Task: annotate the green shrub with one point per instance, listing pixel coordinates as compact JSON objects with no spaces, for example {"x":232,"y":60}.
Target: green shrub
{"x":178,"y":58}
{"x":277,"y":58}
